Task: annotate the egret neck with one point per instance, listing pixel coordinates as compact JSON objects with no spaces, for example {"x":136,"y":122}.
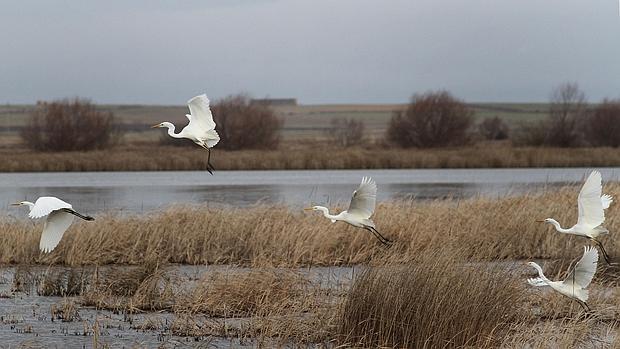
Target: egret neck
{"x":171,"y":130}
{"x":558,"y":227}
{"x":540,"y":272}
{"x":325,"y":211}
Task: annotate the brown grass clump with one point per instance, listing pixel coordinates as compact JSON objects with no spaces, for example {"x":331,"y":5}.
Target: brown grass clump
{"x":567,"y":332}
{"x":145,"y":287}
{"x":266,"y":304}
{"x":433,"y":303}
{"x":65,"y":311}
{"x":259,"y":292}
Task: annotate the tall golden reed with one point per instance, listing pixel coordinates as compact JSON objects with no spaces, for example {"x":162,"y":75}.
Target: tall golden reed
{"x":487,"y":228}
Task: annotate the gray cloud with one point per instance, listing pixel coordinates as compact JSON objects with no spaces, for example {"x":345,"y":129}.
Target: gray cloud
{"x":321,"y":51}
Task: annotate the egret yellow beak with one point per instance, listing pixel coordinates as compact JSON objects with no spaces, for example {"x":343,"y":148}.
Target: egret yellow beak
{"x":155,"y":126}
{"x":540,"y":220}
{"x":308,"y":209}
{"x":16,"y":204}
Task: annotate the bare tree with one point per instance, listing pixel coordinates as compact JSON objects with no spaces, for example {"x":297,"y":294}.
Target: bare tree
{"x":604,"y":124}
{"x":345,"y":132}
{"x":433,"y":119}
{"x":493,"y":129}
{"x":67,"y":125}
{"x":567,"y":110}
{"x":245,"y":125}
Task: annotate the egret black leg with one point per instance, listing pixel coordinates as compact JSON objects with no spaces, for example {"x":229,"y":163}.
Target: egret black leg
{"x":584,"y":305}
{"x":388,"y":241}
{"x":210,"y":167}
{"x":381,"y":239}
{"x":605,"y":255}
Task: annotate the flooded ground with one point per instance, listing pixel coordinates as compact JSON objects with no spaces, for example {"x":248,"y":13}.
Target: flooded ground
{"x":136,"y":192}
{"x":31,"y":320}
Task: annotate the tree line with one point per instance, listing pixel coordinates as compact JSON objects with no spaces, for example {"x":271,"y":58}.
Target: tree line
{"x":431,"y":119}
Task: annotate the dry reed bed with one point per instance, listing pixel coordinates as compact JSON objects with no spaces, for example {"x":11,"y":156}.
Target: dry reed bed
{"x":149,"y":158}
{"x":444,"y":301}
{"x":276,"y":236}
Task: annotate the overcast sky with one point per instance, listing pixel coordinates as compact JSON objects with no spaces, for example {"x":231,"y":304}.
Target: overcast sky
{"x":319,"y":51}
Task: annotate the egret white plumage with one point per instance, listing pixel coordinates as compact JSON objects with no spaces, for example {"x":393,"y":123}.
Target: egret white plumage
{"x":59,"y":218}
{"x":574,"y":286}
{"x":591,"y":204}
{"x":201,"y":127}
{"x":362,"y":206}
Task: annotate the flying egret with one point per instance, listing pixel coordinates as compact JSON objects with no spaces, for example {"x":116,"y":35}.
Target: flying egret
{"x":59,"y":218}
{"x":201,"y":127}
{"x":591,"y":213}
{"x":361,"y":208}
{"x":574,"y":286}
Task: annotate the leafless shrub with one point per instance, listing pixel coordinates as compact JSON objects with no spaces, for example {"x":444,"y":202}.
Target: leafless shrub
{"x":567,"y":112}
{"x":345,"y":132}
{"x":67,"y":125}
{"x":493,"y":129}
{"x":604,"y":124}
{"x":244,"y":125}
{"x":433,"y":119}
{"x":533,"y":134}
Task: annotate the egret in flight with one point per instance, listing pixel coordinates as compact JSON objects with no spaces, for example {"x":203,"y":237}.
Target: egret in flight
{"x":59,"y":218}
{"x":361,"y":208}
{"x":574,"y":286}
{"x":591,"y":213}
{"x":201,"y":127}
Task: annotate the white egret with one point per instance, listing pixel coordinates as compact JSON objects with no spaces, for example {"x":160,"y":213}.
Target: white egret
{"x":361,"y":208}
{"x":59,"y":218}
{"x":201,"y":127}
{"x":591,"y":204}
{"x":574,"y":286}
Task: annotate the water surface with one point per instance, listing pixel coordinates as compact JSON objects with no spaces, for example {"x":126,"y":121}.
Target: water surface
{"x":135,"y":192}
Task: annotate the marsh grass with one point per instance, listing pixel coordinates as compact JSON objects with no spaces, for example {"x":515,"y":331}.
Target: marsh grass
{"x":450,"y":280}
{"x":65,"y":311}
{"x":309,"y":156}
{"x":490,"y":229}
{"x":436,"y":302}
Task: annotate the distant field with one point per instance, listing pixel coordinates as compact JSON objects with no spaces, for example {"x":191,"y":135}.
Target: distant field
{"x":300,"y":122}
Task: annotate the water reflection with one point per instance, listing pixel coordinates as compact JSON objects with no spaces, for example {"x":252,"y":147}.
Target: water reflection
{"x":136,"y":192}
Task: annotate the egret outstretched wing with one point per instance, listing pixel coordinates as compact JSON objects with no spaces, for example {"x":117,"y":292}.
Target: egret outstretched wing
{"x":590,"y":202}
{"x":584,"y":270}
{"x":55,"y":226}
{"x":46,"y":205}
{"x":201,"y":116}
{"x":364,"y":199}
{"x":606,"y":200}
